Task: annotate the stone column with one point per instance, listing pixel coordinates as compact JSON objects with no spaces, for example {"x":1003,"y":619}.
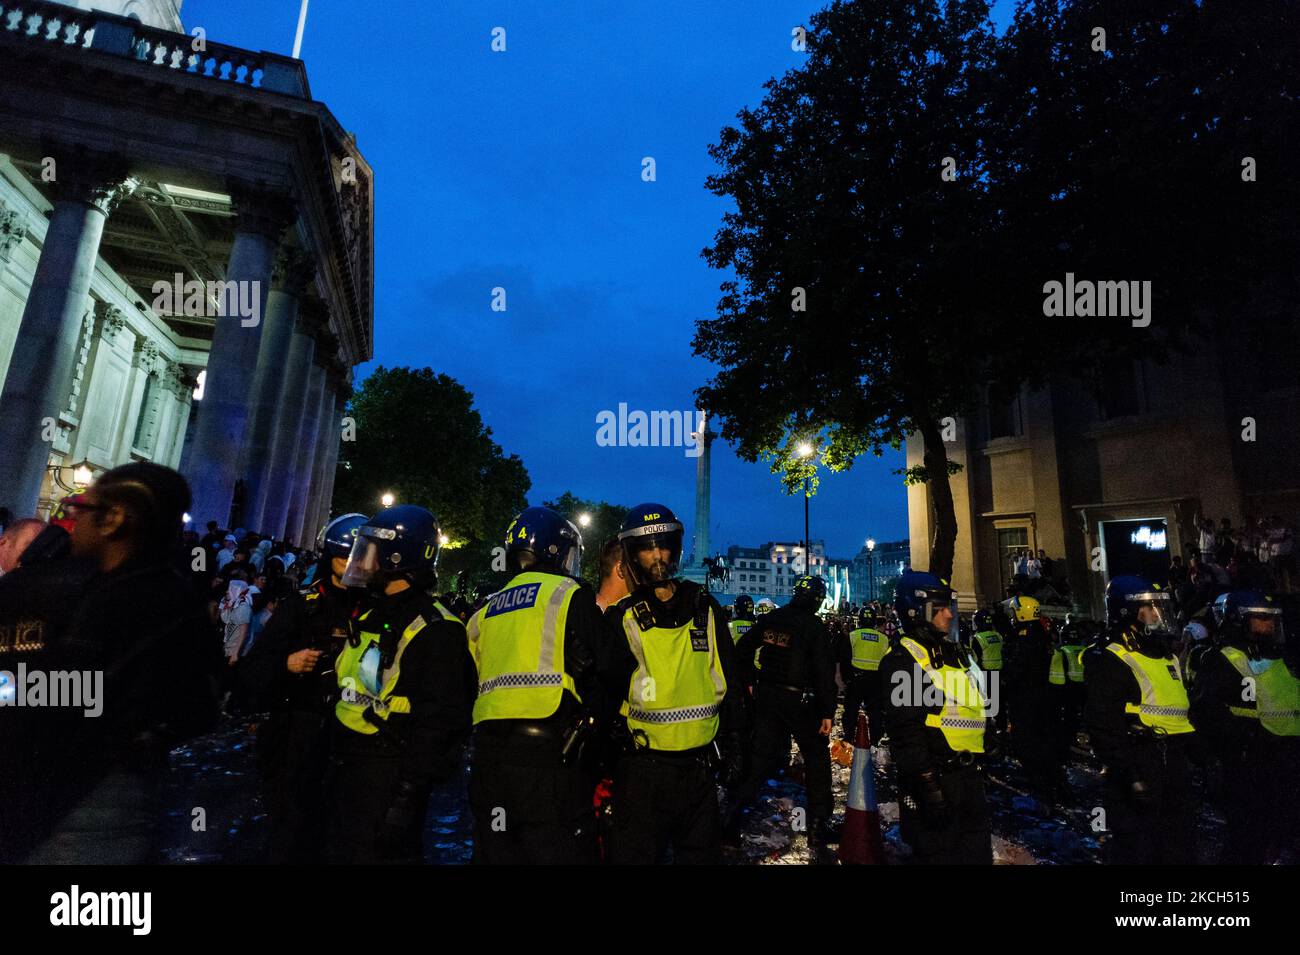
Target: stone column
{"x":294,"y":271}
{"x":181,"y":382}
{"x":312,"y":314}
{"x":328,"y":468}
{"x":221,"y":429}
{"x":299,"y":499}
{"x":40,"y":370}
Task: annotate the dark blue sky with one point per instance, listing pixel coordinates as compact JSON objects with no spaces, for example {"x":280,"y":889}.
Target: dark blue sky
{"x":523,"y":170}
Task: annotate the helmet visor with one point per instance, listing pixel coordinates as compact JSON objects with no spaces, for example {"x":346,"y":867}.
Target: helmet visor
{"x":1154,"y":611}
{"x":653,"y":558}
{"x":1264,"y":626}
{"x":573,"y":561}
{"x":363,"y":562}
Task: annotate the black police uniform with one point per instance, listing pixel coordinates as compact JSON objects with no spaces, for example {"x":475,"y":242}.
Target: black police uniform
{"x":1147,"y":779}
{"x":668,"y":801}
{"x":793,"y":692}
{"x":522,"y":766}
{"x":943,"y":806}
{"x":1037,"y":713}
{"x":1261,"y":772}
{"x":380,"y":783}
{"x":293,"y":744}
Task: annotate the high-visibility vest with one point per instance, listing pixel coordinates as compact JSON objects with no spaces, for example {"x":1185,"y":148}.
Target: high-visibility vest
{"x":1073,"y":662}
{"x":962,"y":718}
{"x":363,"y":687}
{"x":869,"y":648}
{"x":1056,"y":672}
{"x":1276,"y":702}
{"x":517,"y":642}
{"x":990,"y":644}
{"x":1164,"y":703}
{"x":676,"y":691}
{"x":738,"y":628}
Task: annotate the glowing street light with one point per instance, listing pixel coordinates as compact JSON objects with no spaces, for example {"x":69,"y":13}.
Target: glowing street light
{"x":82,"y":477}
{"x":444,"y":540}
{"x":805,"y":451}
{"x":388,"y":500}
{"x":584,"y":519}
{"x":871,"y":569}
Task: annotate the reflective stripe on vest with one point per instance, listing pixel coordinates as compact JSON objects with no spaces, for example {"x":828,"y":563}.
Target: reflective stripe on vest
{"x":1074,"y":662}
{"x":962,"y":718}
{"x":738,"y":629}
{"x":517,"y":642}
{"x":358,"y":690}
{"x":1277,"y":694}
{"x":1056,"y":672}
{"x":676,"y":691}
{"x":869,"y":648}
{"x":1164,"y":697}
{"x":990,"y":644}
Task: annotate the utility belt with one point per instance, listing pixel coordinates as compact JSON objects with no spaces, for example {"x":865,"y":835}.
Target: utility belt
{"x":962,"y":760}
{"x":569,"y":738}
{"x":705,"y":755}
{"x":806,"y":694}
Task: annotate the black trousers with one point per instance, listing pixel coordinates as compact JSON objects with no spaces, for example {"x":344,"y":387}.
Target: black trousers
{"x":665,"y":809}
{"x":1161,"y":828}
{"x":529,"y":808}
{"x":779,"y":714}
{"x":362,"y":782}
{"x":1036,"y":739}
{"x":964,"y":837}
{"x":863,"y":690}
{"x":293,"y":754}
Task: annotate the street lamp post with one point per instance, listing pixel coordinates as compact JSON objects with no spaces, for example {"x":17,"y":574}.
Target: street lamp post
{"x":871,"y":567}
{"x":387,"y":500}
{"x":805,"y":451}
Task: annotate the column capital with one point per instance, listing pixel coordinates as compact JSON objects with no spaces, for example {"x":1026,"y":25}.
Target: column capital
{"x":13,"y":227}
{"x":112,"y":320}
{"x":147,"y":356}
{"x":262,"y":211}
{"x":294,"y":271}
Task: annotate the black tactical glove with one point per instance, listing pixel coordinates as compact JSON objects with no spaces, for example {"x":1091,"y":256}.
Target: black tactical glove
{"x":930,"y":799}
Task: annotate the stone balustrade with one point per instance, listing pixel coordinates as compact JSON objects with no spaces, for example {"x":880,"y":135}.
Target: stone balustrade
{"x":37,"y":21}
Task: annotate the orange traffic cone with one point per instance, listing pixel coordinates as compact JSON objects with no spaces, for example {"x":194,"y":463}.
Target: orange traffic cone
{"x":860,"y":842}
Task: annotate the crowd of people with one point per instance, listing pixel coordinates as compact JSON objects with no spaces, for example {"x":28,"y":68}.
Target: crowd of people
{"x":632,"y":722}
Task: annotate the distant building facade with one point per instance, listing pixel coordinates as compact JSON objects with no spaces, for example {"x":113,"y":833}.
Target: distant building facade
{"x":1109,"y":476}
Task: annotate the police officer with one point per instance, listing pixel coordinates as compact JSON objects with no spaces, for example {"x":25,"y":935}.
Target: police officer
{"x":535,"y":647}
{"x":671,"y":664}
{"x":291,"y":669}
{"x":406,"y":691}
{"x":1136,"y":715}
{"x":1066,"y":675}
{"x":938,"y":728}
{"x":865,"y":649}
{"x":1246,"y":704}
{"x":1036,"y":714}
{"x":742,"y":617}
{"x":794,"y":695}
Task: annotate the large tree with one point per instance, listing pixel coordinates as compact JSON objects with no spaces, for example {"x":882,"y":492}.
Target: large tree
{"x":419,"y":437}
{"x":860,"y":193}
{"x":1120,"y":155}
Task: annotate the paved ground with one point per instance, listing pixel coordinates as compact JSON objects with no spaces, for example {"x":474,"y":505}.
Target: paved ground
{"x":217,"y":773}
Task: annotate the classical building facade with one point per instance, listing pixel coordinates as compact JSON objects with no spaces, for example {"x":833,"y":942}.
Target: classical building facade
{"x":186,"y":264}
{"x":1110,"y":475}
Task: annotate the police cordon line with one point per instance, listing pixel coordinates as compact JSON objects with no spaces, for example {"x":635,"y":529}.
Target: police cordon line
{"x":640,"y":728}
